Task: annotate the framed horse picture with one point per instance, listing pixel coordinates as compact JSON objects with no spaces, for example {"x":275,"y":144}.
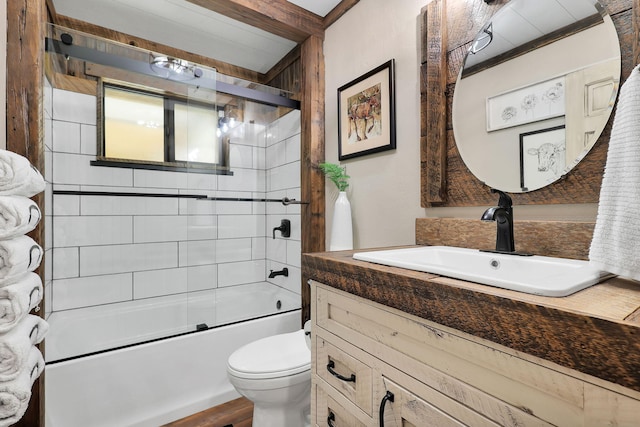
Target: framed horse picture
{"x":366,"y":113}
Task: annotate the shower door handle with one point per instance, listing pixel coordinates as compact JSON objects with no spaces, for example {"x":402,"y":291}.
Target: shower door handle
{"x":332,"y":365}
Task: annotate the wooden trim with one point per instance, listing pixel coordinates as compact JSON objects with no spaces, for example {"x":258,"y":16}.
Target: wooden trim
{"x":636,"y":31}
{"x":117,"y":76}
{"x":535,"y":237}
{"x":277,"y":17}
{"x":220,"y":66}
{"x":312,"y":152}
{"x":342,"y":8}
{"x":73,"y":84}
{"x":634,"y":317}
{"x":25,"y":89}
{"x":433,"y":141}
{"x":52,"y":15}
{"x":283,"y":64}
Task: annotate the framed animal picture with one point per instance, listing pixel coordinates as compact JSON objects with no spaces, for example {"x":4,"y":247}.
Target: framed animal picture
{"x":366,"y":113}
{"x":542,"y":157}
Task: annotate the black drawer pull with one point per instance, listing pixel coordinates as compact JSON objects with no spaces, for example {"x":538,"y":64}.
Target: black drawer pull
{"x":387,"y":397}
{"x":330,"y":419}
{"x":332,"y":365}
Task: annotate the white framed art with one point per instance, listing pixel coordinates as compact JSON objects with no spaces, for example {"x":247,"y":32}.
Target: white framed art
{"x":533,"y":103}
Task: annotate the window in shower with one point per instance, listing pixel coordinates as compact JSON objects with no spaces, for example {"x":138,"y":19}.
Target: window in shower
{"x":142,"y":128}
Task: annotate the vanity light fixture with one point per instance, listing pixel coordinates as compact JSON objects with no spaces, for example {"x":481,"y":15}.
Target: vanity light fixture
{"x":173,"y":68}
{"x":226,"y":122}
{"x":483,"y":40}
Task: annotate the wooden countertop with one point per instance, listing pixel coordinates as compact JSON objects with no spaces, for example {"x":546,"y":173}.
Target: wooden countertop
{"x":595,"y":331}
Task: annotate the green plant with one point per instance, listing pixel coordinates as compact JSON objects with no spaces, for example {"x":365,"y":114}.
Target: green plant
{"x":336,"y":173}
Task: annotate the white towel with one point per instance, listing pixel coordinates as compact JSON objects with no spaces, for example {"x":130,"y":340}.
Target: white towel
{"x":18,"y":215}
{"x":18,"y":176}
{"x":18,"y":256}
{"x":18,"y":299}
{"x":16,"y":344}
{"x":15,"y":394}
{"x":616,"y":238}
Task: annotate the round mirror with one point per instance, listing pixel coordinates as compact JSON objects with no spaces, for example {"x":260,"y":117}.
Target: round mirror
{"x":536,"y":89}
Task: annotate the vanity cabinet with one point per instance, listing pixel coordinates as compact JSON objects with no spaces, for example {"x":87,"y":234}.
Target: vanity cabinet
{"x":440,"y":376}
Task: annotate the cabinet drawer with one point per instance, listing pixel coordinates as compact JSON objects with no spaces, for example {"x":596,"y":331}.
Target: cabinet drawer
{"x":330,"y":413}
{"x":408,"y":410}
{"x":348,"y":375}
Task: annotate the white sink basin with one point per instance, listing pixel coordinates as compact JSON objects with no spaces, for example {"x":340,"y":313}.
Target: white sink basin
{"x":539,"y":275}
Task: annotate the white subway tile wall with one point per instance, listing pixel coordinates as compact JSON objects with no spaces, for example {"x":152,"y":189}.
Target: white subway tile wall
{"x":283,"y":180}
{"x":86,"y":291}
{"x":112,"y":249}
{"x":73,"y":107}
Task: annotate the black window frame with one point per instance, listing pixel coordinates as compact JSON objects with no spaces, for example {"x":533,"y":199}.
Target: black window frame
{"x":170,"y":163}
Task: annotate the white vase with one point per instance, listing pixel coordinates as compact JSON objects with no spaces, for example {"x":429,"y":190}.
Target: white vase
{"x":341,"y":228}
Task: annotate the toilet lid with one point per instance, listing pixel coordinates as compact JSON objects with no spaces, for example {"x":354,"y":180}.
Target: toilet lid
{"x":270,"y":357}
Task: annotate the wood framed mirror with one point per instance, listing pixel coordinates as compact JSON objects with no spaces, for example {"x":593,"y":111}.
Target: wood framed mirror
{"x":449,"y":28}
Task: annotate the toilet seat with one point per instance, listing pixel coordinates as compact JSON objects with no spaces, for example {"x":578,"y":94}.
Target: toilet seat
{"x":271,"y":357}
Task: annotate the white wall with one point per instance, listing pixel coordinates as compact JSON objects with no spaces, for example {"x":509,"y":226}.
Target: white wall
{"x":385,"y":187}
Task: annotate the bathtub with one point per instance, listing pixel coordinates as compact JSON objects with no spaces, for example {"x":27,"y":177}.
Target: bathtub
{"x":147,"y":385}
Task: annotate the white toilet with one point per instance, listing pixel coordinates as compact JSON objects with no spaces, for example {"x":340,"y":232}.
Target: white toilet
{"x":275,"y":374}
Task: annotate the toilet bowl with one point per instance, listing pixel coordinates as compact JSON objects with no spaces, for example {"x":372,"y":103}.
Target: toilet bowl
{"x":275,"y":374}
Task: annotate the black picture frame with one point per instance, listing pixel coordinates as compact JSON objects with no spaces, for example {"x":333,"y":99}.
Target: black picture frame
{"x":367,"y":113}
{"x":542,"y":157}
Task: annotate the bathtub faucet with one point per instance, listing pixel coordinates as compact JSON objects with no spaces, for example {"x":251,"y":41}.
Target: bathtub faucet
{"x":284,"y":272}
{"x":503,"y":216}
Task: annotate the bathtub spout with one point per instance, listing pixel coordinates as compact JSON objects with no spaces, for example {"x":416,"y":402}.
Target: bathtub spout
{"x":284,"y":272}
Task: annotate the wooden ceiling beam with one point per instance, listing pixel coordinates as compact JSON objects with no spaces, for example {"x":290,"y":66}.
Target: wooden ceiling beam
{"x":278,"y":17}
{"x":340,"y":9}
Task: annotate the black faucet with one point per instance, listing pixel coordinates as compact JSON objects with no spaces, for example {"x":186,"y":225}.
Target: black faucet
{"x":284,"y":272}
{"x":284,"y":229}
{"x":503,"y":216}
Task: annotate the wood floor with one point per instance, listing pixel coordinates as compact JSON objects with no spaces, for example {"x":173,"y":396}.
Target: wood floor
{"x":237,"y":413}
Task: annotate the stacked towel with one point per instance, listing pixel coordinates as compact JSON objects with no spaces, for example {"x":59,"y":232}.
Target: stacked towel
{"x":18,"y":256}
{"x":18,"y":176}
{"x":18,"y":299}
{"x":15,"y":345}
{"x":21,"y":362}
{"x":616,"y":239}
{"x":15,"y":394}
{"x":18,"y":215}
